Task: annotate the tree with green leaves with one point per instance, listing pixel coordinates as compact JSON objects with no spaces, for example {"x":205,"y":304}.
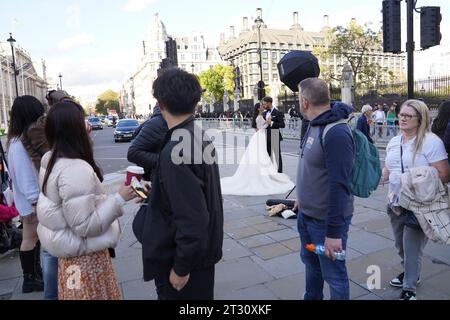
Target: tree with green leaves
{"x":216,"y":80}
{"x":353,"y":45}
{"x":107,"y":100}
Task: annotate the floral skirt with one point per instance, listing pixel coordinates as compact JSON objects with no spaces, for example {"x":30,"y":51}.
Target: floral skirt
{"x":90,"y":277}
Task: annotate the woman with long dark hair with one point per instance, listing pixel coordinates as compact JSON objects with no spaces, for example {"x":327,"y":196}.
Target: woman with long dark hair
{"x":78,"y":222}
{"x":26,"y":110}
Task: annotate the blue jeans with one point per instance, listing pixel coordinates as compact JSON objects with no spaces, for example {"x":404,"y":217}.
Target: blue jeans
{"x":320,"y":268}
{"x":50,"y":275}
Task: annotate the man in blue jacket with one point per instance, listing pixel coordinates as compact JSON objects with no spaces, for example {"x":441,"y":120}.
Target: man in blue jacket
{"x":324,"y":201}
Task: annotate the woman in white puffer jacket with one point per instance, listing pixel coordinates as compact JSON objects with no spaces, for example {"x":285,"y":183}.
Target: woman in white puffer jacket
{"x":77,"y":220}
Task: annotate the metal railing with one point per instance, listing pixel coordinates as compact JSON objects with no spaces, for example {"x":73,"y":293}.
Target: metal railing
{"x":381,"y":134}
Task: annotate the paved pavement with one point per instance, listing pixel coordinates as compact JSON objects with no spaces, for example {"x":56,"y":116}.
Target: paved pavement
{"x":261,"y":254}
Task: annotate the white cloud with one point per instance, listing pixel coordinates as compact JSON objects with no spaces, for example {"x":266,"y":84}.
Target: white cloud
{"x":83,"y":39}
{"x":137,"y":5}
{"x":87,"y":77}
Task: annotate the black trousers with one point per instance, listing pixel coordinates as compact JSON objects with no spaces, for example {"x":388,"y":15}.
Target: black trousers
{"x":199,"y":287}
{"x":272,"y":147}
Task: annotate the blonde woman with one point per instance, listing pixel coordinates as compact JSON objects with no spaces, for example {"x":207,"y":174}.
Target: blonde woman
{"x":415,"y":146}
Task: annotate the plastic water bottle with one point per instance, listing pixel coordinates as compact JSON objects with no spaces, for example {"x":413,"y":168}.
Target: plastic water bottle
{"x":320,"y":250}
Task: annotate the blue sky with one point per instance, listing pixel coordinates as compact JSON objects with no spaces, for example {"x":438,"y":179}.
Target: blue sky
{"x":96,"y":44}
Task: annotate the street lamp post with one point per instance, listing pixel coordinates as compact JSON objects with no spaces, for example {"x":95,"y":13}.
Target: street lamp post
{"x":261,"y":86}
{"x":192,"y":67}
{"x":11,"y":41}
{"x":60,"y":81}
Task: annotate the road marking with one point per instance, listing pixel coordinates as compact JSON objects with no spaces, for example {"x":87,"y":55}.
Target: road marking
{"x":111,"y":158}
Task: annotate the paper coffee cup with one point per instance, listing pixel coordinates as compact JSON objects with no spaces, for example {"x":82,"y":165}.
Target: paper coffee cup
{"x":134,"y":171}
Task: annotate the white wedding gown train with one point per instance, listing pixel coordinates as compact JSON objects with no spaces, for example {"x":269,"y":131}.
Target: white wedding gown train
{"x":257,"y":175}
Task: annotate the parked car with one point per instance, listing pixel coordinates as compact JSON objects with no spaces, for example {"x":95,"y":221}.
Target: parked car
{"x":125,"y":129}
{"x":108,"y":121}
{"x":102,"y":119}
{"x":96,"y":123}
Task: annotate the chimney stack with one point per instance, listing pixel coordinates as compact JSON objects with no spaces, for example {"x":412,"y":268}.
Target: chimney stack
{"x":258,"y":13}
{"x":296,"y":24}
{"x":232,"y":32}
{"x":326,"y":22}
{"x":245,"y":24}
{"x":295,"y":18}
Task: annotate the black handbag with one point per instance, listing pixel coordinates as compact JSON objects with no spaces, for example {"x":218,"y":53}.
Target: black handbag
{"x":411,"y":220}
{"x":138,"y":222}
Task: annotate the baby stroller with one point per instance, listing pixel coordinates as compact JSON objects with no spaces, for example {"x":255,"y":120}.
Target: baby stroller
{"x":10,"y":233}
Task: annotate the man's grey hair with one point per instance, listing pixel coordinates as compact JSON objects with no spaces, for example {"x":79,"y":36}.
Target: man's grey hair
{"x":316,"y":91}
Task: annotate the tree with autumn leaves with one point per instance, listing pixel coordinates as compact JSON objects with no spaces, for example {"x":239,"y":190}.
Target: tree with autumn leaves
{"x":216,"y":80}
{"x":356,"y":46}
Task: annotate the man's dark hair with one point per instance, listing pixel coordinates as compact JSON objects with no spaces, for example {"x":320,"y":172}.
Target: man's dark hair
{"x":55,"y":96}
{"x":178,"y":91}
{"x":267,"y":99}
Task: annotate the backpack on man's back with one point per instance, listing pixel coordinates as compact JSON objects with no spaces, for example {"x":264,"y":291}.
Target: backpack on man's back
{"x":366,"y":172}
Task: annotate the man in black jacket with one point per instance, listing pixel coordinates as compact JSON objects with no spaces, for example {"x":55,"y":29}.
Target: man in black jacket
{"x":145,"y":148}
{"x":182,"y":234}
{"x":275,"y":121}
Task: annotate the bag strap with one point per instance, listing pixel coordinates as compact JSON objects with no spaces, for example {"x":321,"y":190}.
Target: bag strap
{"x":330,"y":126}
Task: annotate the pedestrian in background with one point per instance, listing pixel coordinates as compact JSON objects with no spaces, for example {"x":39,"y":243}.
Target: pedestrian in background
{"x":363,"y":122}
{"x":26,"y":110}
{"x":182,"y":235}
{"x":379,"y":117}
{"x":441,"y":125}
{"x":78,"y":222}
{"x":390,"y":121}
{"x":145,"y":148}
{"x":414,"y":147}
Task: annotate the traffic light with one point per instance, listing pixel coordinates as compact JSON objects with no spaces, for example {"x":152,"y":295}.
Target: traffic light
{"x":392,"y":29}
{"x":261,"y":90}
{"x":171,"y":51}
{"x":430,"y":27}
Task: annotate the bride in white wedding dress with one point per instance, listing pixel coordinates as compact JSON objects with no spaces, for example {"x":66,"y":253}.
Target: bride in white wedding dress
{"x":257,"y":174}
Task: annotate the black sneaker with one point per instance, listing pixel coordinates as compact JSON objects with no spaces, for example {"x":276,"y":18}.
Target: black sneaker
{"x":398,"y":281}
{"x":408,"y":295}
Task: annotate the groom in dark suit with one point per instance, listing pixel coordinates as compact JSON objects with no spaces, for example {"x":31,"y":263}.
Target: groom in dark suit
{"x":275,"y":121}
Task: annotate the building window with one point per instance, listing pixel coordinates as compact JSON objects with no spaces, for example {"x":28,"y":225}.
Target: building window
{"x":266,"y":77}
{"x":183,"y":57}
{"x":265,"y":55}
{"x":195,"y":39}
{"x":265,"y":66}
{"x":274,"y":55}
{"x":183,"y":66}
